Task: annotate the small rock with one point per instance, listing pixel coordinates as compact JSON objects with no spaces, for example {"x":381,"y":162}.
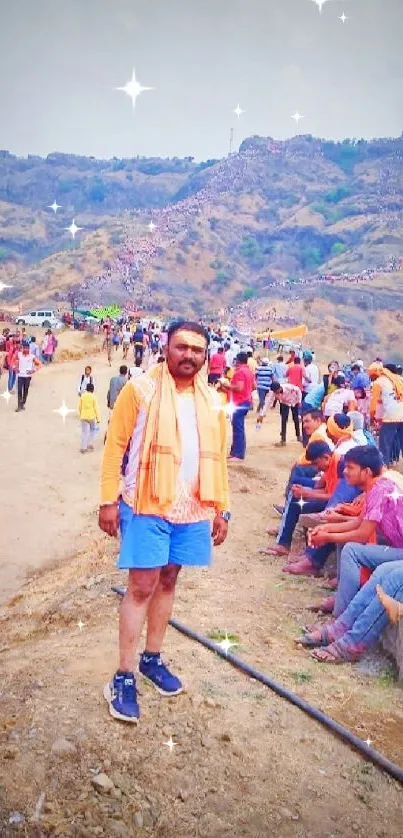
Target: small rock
{"x":102,"y":783}
{"x":183,"y":795}
{"x":226,"y":737}
{"x":355,"y":827}
{"x":16,"y":818}
{"x":285,"y":813}
{"x":206,"y":741}
{"x":63,"y":748}
{"x":209,"y":702}
{"x":10,"y":752}
{"x":138,"y":819}
{"x":89,"y":583}
{"x":107,"y":764}
{"x":117,"y":793}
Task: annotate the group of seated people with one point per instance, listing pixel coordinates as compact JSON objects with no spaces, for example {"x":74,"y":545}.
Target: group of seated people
{"x":348,"y":502}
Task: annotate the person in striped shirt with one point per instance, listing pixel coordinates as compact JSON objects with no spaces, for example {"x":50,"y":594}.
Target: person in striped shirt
{"x":264,"y":380}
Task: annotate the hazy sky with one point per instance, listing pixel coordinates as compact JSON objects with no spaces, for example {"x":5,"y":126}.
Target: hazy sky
{"x":60,"y":61}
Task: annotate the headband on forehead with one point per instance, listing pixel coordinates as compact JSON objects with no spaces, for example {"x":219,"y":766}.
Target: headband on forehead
{"x":191,"y":338}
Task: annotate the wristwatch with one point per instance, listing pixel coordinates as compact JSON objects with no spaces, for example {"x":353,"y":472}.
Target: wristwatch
{"x":226,"y":516}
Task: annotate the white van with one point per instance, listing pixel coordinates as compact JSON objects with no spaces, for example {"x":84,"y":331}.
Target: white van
{"x":42,"y":317}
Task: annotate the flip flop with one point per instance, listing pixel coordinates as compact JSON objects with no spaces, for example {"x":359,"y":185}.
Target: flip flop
{"x":333,"y":653}
{"x":309,"y":642}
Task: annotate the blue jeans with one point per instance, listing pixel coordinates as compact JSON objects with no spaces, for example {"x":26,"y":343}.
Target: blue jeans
{"x":354,"y":557}
{"x":262,"y":397}
{"x":11,"y":380}
{"x":390,"y":440}
{"x":300,"y":474}
{"x":342,"y":494}
{"x":364,"y":620}
{"x":238,"y":447}
{"x":292,"y":511}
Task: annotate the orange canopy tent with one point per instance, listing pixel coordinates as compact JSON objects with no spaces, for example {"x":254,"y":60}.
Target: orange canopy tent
{"x":294,"y":333}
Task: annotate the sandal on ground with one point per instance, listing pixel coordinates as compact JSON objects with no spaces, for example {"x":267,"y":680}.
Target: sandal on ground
{"x":329,"y":654}
{"x":311,"y":642}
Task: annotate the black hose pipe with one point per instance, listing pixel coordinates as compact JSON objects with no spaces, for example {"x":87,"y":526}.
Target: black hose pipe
{"x":365,"y":750}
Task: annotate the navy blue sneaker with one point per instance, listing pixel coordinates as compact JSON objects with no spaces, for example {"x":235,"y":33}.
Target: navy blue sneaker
{"x":121,"y":695}
{"x":156,"y":673}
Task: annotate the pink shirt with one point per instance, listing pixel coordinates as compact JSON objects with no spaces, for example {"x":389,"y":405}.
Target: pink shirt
{"x":384,"y":506}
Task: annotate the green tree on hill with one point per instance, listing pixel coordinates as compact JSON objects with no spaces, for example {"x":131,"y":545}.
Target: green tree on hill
{"x":338,"y":194}
{"x":310,"y":258}
{"x":250,"y":251}
{"x":338,"y":248}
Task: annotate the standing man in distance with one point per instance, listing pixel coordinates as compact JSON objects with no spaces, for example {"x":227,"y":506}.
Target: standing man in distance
{"x":116,"y":384}
{"x":241,"y":386}
{"x":290,"y":398}
{"x":27,"y":365}
{"x":168,"y":429}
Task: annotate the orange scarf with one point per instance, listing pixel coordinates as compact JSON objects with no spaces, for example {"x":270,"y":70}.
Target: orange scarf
{"x":161,"y":453}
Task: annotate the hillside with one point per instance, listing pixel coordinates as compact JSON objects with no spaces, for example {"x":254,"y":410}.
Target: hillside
{"x":264,"y":225}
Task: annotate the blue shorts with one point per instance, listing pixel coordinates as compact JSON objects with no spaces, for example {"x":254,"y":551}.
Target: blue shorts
{"x":147,"y":541}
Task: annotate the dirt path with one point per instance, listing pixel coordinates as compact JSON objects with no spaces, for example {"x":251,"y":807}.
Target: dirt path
{"x":245,"y":763}
{"x":47,"y":488}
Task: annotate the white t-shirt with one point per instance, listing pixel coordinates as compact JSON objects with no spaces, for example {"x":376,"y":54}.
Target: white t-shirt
{"x":311,"y":377}
{"x":189,"y":434}
{"x":390,"y":409}
{"x":345,"y":446}
{"x":26,"y":366}
{"x":337,"y":400}
{"x":126,"y":336}
{"x":135,"y":372}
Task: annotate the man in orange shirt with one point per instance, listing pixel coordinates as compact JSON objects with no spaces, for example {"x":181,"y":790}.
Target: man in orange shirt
{"x":168,"y":431}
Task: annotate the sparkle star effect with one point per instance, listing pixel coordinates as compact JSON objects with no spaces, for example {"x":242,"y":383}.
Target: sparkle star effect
{"x":80,"y":625}
{"x":55,"y":206}
{"x":368,"y":742}
{"x":151,"y":226}
{"x":133,"y":88}
{"x":395,"y":495}
{"x":3,"y":286}
{"x":297,"y":116}
{"x":6,"y":396}
{"x":73,"y":229}
{"x":170,"y":744}
{"x":301,"y":503}
{"x":320,"y":4}
{"x":226,"y":644}
{"x":64,"y":411}
{"x":343,"y":18}
{"x":238,"y":111}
